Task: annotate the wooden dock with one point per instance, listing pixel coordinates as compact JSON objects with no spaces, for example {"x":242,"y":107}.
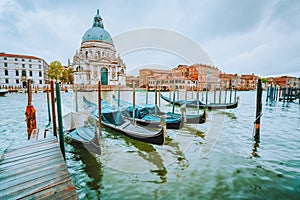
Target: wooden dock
{"x":35,"y":169}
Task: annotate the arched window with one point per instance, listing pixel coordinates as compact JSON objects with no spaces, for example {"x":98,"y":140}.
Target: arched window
{"x":23,"y":73}
{"x":6,"y":72}
{"x":86,"y":54}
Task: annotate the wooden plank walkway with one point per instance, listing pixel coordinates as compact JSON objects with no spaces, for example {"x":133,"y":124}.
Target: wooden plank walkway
{"x":35,"y":170}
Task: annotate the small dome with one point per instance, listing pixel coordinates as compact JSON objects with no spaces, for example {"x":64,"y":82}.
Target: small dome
{"x":97,"y":34}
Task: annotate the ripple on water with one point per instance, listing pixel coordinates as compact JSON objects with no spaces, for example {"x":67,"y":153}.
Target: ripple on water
{"x":130,"y":169}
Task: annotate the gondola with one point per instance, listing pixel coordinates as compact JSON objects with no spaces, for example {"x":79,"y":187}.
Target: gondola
{"x":80,"y":133}
{"x":193,"y":104}
{"x":112,"y":118}
{"x":150,"y":109}
{"x":3,"y":92}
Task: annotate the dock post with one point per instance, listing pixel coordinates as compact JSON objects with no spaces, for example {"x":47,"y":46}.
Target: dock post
{"x":173,"y":108}
{"x":275,"y":93}
{"x":99,"y":111}
{"x":155,"y":98}
{"x":220,"y":93}
{"x":60,"y":124}
{"x":284,"y":93}
{"x":76,"y":99}
{"x":48,"y":105}
{"x":234,"y":95}
{"x":53,"y":108}
{"x":133,"y":105}
{"x":271,"y":93}
{"x":197,"y":97}
{"x":178,"y":93}
{"x":202,"y":93}
{"x":267,"y":94}
{"x":225,"y":95}
{"x":215,"y":94}
{"x":185,"y":94}
{"x":258,"y":111}
{"x":170,"y":96}
{"x":158,"y":97}
{"x":30,"y":112}
{"x":206,"y":95}
{"x":147,"y":88}
{"x":118,"y":93}
{"x":230,"y":98}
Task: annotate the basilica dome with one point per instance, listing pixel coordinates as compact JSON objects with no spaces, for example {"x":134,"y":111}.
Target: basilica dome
{"x":97,"y":32}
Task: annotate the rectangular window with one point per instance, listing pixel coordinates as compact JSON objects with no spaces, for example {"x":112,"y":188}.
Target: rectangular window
{"x":17,"y":81}
{"x":17,"y":73}
{"x":6,"y":81}
{"x":40,"y":66}
{"x":30,"y":66}
{"x":5,"y":64}
{"x":23,"y":65}
{"x":6,"y":72}
{"x":41,"y":82}
{"x":40,"y":74}
{"x":30,"y":73}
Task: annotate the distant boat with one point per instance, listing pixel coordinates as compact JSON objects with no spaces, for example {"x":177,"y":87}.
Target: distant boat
{"x":113,"y":119}
{"x":80,"y":133}
{"x":3,"y":92}
{"x":194,"y":104}
{"x":148,"y":110}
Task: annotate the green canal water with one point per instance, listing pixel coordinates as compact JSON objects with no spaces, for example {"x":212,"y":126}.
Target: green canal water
{"x":214,"y":160}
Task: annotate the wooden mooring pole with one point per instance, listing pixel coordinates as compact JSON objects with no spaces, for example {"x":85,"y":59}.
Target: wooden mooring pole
{"x":53,"y":108}
{"x":30,"y":112}
{"x":76,"y":99}
{"x":133,"y":105}
{"x":48,"y":105}
{"x":258,"y":111}
{"x":99,"y":89}
{"x":99,"y":111}
{"x":60,"y":123}
{"x":155,"y":98}
{"x":147,"y":88}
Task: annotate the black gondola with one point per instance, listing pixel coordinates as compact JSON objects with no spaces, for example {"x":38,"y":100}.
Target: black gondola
{"x":80,"y":133}
{"x":150,"y":110}
{"x":200,"y":105}
{"x":113,"y":119}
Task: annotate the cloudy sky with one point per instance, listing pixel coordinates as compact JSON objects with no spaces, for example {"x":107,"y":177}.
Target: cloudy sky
{"x":248,"y":36}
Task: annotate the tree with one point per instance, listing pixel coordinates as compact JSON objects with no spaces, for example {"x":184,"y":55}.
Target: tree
{"x":264,"y":80}
{"x":55,"y":70}
{"x":67,"y":76}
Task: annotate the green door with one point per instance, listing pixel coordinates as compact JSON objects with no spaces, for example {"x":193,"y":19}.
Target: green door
{"x":104,"y":76}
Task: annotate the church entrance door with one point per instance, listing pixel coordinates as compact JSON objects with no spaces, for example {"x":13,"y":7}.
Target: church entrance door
{"x":104,"y":76}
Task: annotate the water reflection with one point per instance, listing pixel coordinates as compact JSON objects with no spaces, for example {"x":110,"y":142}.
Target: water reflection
{"x":255,"y":149}
{"x":91,"y":166}
{"x":149,"y":153}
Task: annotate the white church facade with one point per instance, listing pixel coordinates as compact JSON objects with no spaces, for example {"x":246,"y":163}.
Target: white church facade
{"x":97,"y":58}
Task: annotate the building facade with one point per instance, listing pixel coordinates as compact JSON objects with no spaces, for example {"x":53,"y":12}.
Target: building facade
{"x":16,"y":69}
{"x":207,"y":75}
{"x":97,"y":58}
{"x":145,"y":75}
{"x":284,"y":81}
{"x":132,"y":80}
